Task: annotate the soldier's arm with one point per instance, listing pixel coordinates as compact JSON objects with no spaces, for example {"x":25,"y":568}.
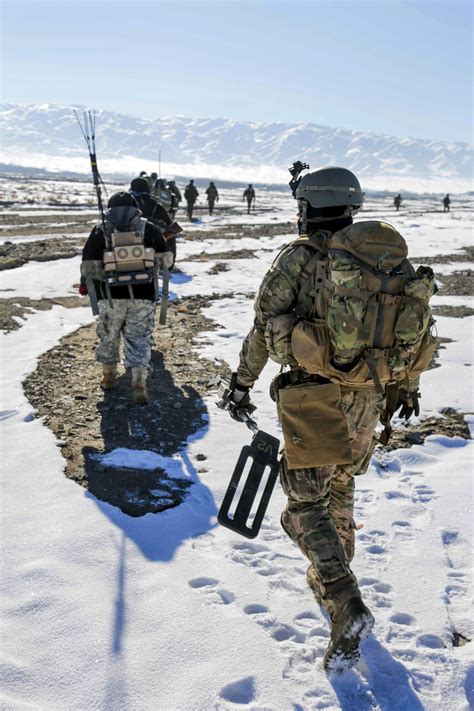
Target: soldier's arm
{"x":277,"y":295}
{"x":92,"y":264}
{"x":154,"y":238}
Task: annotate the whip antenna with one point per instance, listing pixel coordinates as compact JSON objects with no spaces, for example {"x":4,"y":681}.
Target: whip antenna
{"x":88,"y":131}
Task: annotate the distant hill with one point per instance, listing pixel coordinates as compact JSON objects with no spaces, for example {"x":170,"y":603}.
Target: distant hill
{"x":49,"y":130}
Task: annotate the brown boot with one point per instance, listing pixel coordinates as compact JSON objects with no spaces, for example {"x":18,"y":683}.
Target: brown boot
{"x":350,"y":624}
{"x":109,"y":376}
{"x":139,"y":391}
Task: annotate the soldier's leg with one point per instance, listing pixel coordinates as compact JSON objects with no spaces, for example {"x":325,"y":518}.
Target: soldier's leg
{"x":138,"y":332}
{"x":109,"y":327}
{"x":308,"y":522}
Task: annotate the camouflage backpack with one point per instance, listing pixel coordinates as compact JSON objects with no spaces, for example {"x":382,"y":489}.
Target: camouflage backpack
{"x":370,"y":321}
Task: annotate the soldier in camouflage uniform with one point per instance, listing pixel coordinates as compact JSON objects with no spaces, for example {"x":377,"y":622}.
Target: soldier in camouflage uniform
{"x":319,"y":513}
{"x":125,"y":311}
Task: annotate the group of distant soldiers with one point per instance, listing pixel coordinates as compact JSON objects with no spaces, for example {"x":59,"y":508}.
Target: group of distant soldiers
{"x":168,"y":196}
{"x":397,"y":201}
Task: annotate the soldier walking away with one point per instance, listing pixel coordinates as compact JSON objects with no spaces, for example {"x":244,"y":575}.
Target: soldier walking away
{"x":153,"y":211}
{"x":212,"y":196}
{"x":190,"y":195}
{"x":397,"y":201}
{"x":175,"y":191}
{"x":137,"y":247}
{"x":249,"y":195}
{"x":446,"y":203}
{"x":346,"y":366}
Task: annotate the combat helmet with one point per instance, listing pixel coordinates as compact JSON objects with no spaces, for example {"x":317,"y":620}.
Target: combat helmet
{"x":328,"y":193}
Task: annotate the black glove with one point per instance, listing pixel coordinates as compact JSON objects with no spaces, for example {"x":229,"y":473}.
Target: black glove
{"x":236,"y":400}
{"x":408,"y":403}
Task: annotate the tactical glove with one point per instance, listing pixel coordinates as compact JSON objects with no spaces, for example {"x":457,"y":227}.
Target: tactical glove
{"x":238,"y":401}
{"x":408,"y":403}
{"x":83,"y":290}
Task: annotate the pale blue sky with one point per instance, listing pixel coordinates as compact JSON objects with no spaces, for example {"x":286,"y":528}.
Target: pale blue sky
{"x":402,"y":67}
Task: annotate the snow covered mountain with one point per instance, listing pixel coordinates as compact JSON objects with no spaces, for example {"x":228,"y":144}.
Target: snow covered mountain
{"x":32,"y":132}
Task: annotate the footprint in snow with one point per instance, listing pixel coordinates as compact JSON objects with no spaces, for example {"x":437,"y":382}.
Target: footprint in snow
{"x":423,"y":494}
{"x":242,"y":692}
{"x":213,"y":593}
{"x":395,"y":495}
{"x":402,"y":628}
{"x":374,"y":542}
{"x":376,"y":593}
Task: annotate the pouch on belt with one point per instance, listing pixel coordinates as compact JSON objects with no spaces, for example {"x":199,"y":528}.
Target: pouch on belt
{"x":314,"y":426}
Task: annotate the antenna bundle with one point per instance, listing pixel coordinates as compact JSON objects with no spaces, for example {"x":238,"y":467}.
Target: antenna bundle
{"x":87,"y":127}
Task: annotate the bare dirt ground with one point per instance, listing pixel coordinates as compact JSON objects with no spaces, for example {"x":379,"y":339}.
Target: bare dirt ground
{"x":65,"y":390}
{"x":87,"y":421}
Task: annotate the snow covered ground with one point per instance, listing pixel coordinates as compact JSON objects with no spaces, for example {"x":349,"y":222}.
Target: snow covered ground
{"x":171,"y":611}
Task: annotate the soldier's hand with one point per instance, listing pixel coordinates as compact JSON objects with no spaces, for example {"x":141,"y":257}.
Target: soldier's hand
{"x":408,"y":403}
{"x":236,"y":400}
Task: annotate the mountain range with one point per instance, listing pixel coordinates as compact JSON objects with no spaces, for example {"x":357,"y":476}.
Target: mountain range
{"x":51,"y":130}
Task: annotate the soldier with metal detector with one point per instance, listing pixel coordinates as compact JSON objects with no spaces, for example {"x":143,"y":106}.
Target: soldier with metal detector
{"x":344,"y":313}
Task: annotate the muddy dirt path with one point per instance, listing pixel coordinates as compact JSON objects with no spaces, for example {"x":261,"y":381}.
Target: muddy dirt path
{"x":64,"y":389}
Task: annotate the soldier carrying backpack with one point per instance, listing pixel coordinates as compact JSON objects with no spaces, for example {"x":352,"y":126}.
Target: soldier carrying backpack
{"x":344,"y":313}
{"x":119,"y":270}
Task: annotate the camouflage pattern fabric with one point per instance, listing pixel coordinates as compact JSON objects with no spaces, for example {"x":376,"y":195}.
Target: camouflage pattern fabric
{"x":319,"y":513}
{"x":134,"y":320}
{"x":276,"y":296}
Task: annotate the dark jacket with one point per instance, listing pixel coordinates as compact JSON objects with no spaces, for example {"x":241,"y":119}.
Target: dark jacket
{"x":94,"y":250}
{"x":191,"y":193}
{"x":152,"y":210}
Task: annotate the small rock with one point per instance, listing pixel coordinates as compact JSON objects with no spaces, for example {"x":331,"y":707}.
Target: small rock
{"x":201,"y":457}
{"x":178,"y":405}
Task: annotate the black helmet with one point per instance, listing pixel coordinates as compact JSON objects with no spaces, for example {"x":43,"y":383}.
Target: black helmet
{"x":153,"y":176}
{"x":121,"y":199}
{"x":329,"y":187}
{"x":140,"y":185}
{"x":328,"y":194}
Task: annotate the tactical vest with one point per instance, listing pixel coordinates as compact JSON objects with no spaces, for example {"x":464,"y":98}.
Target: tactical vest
{"x":362,"y":316}
{"x":126,"y":260}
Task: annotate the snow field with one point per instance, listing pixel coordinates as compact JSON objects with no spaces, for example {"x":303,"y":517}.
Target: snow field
{"x":172,"y":612}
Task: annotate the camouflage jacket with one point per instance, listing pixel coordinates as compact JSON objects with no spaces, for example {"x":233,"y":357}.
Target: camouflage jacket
{"x":278,"y":294}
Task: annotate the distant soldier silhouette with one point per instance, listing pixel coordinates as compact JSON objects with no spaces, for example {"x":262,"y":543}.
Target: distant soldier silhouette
{"x":446,"y":203}
{"x":177,"y":197}
{"x":190,"y":195}
{"x":212,"y":196}
{"x":397,"y":201}
{"x":249,"y":195}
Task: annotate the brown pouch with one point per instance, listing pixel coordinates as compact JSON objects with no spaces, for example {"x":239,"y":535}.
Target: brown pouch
{"x":423,"y":356}
{"x":313,"y":424}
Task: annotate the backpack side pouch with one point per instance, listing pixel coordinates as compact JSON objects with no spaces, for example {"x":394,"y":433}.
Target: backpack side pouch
{"x":277,"y":334}
{"x":314,"y":426}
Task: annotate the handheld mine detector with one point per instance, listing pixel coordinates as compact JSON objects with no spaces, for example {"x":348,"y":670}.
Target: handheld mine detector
{"x":127,"y":261}
{"x":262,"y":454}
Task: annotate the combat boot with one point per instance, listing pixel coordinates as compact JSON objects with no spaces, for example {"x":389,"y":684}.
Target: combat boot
{"x":139,"y":391}
{"x":350,"y":624}
{"x":109,"y":376}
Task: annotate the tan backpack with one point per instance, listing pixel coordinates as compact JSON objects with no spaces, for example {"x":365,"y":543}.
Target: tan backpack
{"x":371,"y":321}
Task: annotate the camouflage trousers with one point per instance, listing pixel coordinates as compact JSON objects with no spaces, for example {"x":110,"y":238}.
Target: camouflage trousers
{"x":319,"y":513}
{"x":134,"y":320}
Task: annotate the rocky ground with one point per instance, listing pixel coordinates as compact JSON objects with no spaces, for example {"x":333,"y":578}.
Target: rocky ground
{"x":65,"y":391}
{"x":88,"y":422}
